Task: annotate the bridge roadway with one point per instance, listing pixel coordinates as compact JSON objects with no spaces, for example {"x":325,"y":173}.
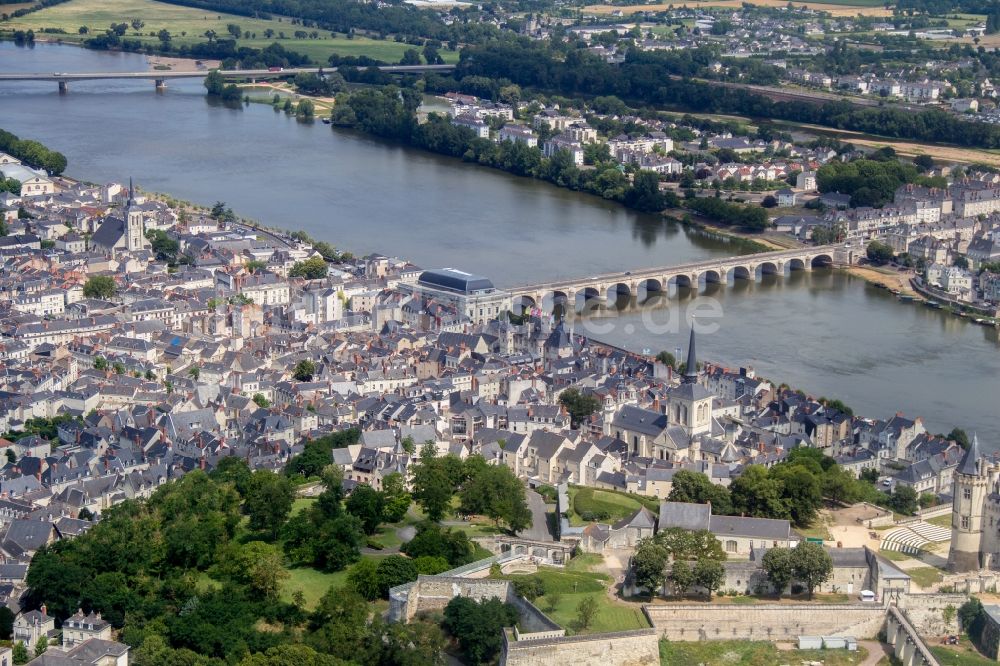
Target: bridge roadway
{"x":648,"y":281}
{"x":64,"y":78}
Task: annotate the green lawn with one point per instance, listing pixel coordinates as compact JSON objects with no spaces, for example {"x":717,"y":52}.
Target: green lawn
{"x":750,"y":653}
{"x":612,"y":504}
{"x":895,"y":555}
{"x":925,"y":576}
{"x":301,"y":504}
{"x":941,"y":521}
{"x":964,"y":654}
{"x":573,"y":584}
{"x":188,"y":25}
{"x":312,"y":583}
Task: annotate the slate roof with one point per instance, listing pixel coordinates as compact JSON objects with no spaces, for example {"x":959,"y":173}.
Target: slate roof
{"x":686,"y":515}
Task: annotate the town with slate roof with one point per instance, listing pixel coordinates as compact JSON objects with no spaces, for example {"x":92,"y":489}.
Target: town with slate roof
{"x":193,"y":355}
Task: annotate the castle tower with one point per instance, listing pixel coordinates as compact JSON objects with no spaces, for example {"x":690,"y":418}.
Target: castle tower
{"x":971,"y":486}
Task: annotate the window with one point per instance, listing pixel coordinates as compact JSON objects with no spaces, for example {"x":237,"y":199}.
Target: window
{"x":965,"y":522}
{"x":966,"y":493}
{"x":731,"y":546}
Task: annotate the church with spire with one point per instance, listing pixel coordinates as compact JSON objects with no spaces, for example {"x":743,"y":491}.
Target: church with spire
{"x":975,"y":512}
{"x":680,"y":427}
{"x":124,"y":231}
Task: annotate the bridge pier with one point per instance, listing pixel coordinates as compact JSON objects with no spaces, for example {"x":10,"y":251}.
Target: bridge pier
{"x":63,"y":87}
{"x":160,"y":84}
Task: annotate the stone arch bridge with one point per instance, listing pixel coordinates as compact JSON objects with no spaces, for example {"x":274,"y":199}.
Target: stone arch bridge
{"x":643,"y":283}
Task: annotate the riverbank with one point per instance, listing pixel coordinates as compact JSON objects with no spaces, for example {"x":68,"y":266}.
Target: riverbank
{"x":886,"y":278}
{"x":762,"y":242}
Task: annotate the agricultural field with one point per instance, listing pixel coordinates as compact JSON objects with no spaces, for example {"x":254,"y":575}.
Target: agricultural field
{"x":751,"y":653}
{"x":834,"y":7}
{"x":188,"y":26}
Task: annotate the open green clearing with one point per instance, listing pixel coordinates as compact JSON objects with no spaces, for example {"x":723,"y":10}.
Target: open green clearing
{"x":188,"y":25}
{"x":573,"y":585}
{"x":611,"y":505}
{"x":925,"y":576}
{"x":751,"y":653}
{"x":963,"y":654}
{"x":941,"y":521}
{"x":312,"y":583}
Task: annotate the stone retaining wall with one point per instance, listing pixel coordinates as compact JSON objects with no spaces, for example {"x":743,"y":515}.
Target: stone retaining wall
{"x":764,"y":622}
{"x":623,"y":648}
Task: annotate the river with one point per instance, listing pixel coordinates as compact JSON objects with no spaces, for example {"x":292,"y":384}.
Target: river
{"x":825,"y":332}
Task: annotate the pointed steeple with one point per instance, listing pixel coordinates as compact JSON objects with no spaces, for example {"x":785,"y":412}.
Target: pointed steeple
{"x":969,"y":462}
{"x":131,"y":192}
{"x":691,"y":367}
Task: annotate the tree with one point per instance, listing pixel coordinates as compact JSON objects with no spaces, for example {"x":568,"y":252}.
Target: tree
{"x":769,"y":201}
{"x":268,"y":502}
{"x":260,"y":566}
{"x":696,"y":488}
{"x":431,"y":540}
{"x":261,"y":401}
{"x":234,"y":470}
{"x":585,"y":611}
{"x":20,"y":655}
{"x":879,"y":253}
{"x":368,"y":505}
{"x":667,"y":359}
{"x":410,"y":57}
{"x":433,"y":487}
{"x":234,"y":30}
{"x":494,"y":491}
{"x":304,"y":371}
{"x":777,"y":563}
{"x":958,"y":436}
{"x":396,"y":499}
{"x":800,"y":491}
{"x":811,"y":565}
{"x":41,"y":645}
{"x":478,"y":625}
{"x":681,"y":577}
{"x":903,"y":500}
{"x":394,"y":570}
{"x":649,"y":565}
{"x":552,"y":600}
{"x":100,"y":286}
{"x":363,"y":578}
{"x":6,"y":623}
{"x":839,"y":485}
{"x":579,"y":406}
{"x":709,"y":574}
{"x":101,"y":363}
{"x":314,"y":268}
{"x":755,"y":494}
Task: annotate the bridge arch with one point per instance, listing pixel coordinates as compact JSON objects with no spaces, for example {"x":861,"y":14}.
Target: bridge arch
{"x":795,"y":264}
{"x":618,"y":295}
{"x":648,"y":287}
{"x":522,"y":303}
{"x":767,"y":268}
{"x":821,"y":261}
{"x":709,"y":277}
{"x":737,"y":273}
{"x":588,"y":297}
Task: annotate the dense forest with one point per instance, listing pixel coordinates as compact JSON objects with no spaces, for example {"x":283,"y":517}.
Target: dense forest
{"x":644,"y":79}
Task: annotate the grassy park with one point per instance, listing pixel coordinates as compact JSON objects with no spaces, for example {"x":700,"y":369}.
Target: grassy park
{"x":188,"y":25}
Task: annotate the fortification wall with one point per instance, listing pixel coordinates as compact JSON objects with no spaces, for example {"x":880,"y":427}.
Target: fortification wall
{"x":926,"y":612}
{"x":623,"y":648}
{"x":699,"y":622}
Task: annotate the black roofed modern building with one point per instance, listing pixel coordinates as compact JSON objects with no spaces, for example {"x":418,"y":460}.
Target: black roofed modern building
{"x":472,"y":295}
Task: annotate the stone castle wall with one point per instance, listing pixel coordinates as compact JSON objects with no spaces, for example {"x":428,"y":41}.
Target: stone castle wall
{"x":623,"y":648}
{"x":767,"y":622}
{"x":926,"y":612}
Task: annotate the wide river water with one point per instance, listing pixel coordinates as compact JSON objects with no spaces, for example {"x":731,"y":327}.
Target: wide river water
{"x":825,"y":332}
